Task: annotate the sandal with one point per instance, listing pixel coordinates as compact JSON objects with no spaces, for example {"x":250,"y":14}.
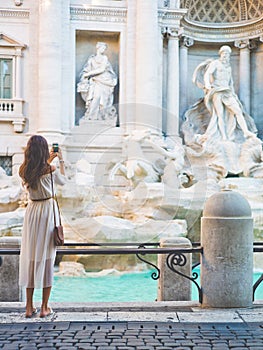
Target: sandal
{"x":34,"y":312}
{"x":51,"y":312}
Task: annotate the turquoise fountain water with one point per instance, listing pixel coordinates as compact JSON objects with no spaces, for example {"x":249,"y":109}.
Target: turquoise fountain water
{"x":126,"y":287}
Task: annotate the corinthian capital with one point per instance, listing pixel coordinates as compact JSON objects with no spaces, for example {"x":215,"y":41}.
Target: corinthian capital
{"x":172,"y":32}
{"x":242,"y":44}
{"x":187,"y":41}
{"x":246,"y":43}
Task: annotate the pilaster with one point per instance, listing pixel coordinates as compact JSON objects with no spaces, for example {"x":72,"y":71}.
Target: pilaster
{"x":50,"y":58}
{"x":185,"y":43}
{"x":244,"y":72}
{"x":147,"y":59}
{"x":173,"y":82}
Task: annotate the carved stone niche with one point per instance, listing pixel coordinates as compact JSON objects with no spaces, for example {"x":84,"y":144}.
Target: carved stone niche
{"x":11,"y":105}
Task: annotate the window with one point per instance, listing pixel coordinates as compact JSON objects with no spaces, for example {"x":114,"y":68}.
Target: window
{"x":6,"y":164}
{"x":5,"y":78}
{"x":11,"y":101}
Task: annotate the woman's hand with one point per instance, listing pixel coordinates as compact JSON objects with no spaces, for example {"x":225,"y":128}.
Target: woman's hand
{"x":52,"y":155}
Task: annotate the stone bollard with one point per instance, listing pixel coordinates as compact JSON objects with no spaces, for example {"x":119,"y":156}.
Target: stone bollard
{"x":172,"y":286}
{"x":9,"y":271}
{"x":227,"y":259}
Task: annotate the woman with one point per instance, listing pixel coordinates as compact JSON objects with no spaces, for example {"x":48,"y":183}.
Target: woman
{"x":38,"y":250}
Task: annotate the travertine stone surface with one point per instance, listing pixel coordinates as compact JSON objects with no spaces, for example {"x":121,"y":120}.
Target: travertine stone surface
{"x":227,"y":259}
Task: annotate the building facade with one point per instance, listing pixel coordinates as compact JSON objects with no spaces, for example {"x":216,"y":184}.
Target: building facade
{"x":153,"y":46}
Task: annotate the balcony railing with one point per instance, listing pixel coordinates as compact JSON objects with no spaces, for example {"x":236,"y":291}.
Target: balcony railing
{"x":11,"y":110}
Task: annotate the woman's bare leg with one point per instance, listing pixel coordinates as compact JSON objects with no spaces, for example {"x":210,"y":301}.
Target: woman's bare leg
{"x":29,"y":302}
{"x":45,"y":310}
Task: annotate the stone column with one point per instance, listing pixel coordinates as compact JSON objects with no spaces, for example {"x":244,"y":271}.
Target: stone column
{"x":50,"y":58}
{"x":227,"y":259}
{"x":127,"y":112}
{"x":244,"y":73}
{"x":186,"y":42}
{"x":147,"y":59}
{"x":173,"y":83}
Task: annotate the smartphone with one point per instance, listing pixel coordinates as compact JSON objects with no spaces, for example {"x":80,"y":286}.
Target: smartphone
{"x":55,"y":147}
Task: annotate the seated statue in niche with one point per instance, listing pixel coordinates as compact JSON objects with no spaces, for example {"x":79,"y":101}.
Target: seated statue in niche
{"x":218,"y":122}
{"x":96,"y":85}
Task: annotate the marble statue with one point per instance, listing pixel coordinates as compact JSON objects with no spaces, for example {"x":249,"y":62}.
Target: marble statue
{"x":168,"y":169}
{"x":226,"y":111}
{"x":96,"y":85}
{"x":217,"y":128}
{"x":135,"y":166}
{"x":173,"y":175}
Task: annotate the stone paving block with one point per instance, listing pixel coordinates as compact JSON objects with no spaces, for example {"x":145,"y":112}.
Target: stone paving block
{"x":251,"y":317}
{"x":105,"y":344}
{"x":83,"y":338}
{"x":254,"y":343}
{"x":211,"y":317}
{"x":80,"y":316}
{"x":102,"y":340}
{"x":142,"y":316}
{"x":236,"y":342}
{"x":87,"y":340}
{"x":135,"y":342}
{"x":217,"y":341}
{"x":118,"y":344}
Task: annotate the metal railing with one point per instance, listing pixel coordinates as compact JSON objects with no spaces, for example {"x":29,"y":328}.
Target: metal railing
{"x":175,"y":256}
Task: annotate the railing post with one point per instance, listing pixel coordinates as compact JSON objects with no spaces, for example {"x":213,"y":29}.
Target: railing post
{"x":9,"y":271}
{"x":172,"y":286}
{"x":227,"y":259}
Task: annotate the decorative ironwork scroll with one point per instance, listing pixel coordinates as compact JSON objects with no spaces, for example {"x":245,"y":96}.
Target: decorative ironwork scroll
{"x":156,"y":274}
{"x":179,"y":259}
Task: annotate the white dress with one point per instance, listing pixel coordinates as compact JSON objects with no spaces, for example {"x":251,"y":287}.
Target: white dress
{"x":38,"y":250}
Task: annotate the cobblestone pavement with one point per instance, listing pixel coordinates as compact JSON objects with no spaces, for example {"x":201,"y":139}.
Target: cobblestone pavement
{"x":124,"y":326}
{"x":131,"y":335}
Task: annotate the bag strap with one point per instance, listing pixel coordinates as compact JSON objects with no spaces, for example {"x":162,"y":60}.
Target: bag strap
{"x":54,"y":199}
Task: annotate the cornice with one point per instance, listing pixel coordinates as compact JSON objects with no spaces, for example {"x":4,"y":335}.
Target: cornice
{"x":204,"y":33}
{"x":217,"y":25}
{"x":110,"y":14}
{"x":177,"y":14}
{"x":101,"y":14}
{"x":14,"y":13}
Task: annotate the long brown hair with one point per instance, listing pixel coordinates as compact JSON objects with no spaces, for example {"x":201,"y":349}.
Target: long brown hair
{"x":35,"y":163}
